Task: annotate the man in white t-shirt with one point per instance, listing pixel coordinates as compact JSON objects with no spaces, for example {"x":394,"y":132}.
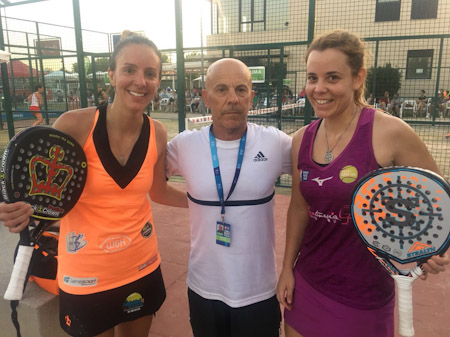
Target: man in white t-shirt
{"x":230,"y":170}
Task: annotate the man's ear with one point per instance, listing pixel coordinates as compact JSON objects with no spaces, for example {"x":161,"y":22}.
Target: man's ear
{"x":205,"y":97}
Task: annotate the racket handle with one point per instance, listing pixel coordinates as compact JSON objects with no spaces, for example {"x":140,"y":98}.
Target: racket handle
{"x":405,"y":304}
{"x":14,"y":292}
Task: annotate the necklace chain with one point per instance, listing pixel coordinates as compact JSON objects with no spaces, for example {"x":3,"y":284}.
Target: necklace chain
{"x":329,"y":154}
{"x":129,"y":145}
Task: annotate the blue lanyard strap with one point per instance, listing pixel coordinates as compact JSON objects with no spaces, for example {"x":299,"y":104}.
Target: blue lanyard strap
{"x":217,"y":176}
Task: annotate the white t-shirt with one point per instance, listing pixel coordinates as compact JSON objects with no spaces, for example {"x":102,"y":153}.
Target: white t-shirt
{"x":244,"y":273}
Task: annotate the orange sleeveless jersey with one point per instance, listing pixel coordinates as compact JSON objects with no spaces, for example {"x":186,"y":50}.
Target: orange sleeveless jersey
{"x":108,"y":239}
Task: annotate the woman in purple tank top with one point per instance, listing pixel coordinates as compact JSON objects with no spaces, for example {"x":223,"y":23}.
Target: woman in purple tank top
{"x":330,"y":285}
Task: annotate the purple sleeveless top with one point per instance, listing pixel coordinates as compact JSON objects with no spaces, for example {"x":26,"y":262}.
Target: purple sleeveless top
{"x":333,"y":259}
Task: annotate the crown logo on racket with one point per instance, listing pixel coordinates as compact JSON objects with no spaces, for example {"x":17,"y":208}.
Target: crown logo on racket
{"x":57,"y":174}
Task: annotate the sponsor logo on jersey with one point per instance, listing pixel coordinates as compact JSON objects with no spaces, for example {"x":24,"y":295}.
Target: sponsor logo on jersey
{"x":68,"y":320}
{"x":321,"y":181}
{"x":319,"y":215}
{"x":348,"y":174}
{"x":420,"y":248}
{"x":80,"y":281}
{"x":304,"y":174}
{"x":147,"y":230}
{"x":260,"y":157}
{"x":148,"y":263}
{"x":116,"y":244}
{"x":75,"y":242}
{"x":134,"y":302}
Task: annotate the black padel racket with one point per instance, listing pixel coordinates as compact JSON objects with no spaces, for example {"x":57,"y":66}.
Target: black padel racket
{"x":47,"y":169}
{"x":403,"y":214}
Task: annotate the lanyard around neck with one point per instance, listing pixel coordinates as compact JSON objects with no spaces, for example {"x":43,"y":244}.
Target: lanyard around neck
{"x":217,"y":176}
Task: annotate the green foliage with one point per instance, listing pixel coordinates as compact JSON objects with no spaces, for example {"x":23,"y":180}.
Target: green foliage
{"x":387,"y":79}
{"x":194,"y":56}
{"x":165,"y":58}
{"x":101,"y":64}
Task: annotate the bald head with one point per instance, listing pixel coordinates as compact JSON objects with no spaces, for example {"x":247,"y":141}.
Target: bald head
{"x":228,"y":94}
{"x":227,"y":65}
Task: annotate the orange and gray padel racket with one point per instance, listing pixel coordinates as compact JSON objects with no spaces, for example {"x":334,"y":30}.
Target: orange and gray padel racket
{"x":47,"y":169}
{"x":402,"y":214}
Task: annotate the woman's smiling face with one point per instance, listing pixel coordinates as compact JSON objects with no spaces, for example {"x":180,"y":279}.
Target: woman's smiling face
{"x":330,"y":85}
{"x":136,"y":76}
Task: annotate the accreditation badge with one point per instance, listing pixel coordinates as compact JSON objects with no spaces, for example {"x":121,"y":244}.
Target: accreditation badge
{"x":223,"y":234}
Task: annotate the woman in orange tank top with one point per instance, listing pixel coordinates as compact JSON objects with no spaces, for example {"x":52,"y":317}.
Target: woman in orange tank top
{"x":109,"y":266}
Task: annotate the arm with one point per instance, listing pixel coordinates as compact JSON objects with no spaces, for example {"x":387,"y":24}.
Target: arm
{"x":396,"y":144}
{"x":286,"y":152}
{"x":297,"y":221}
{"x":161,"y":191}
{"x":39,"y":96}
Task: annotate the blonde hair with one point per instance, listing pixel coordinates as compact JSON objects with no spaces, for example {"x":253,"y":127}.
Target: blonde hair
{"x":351,"y":45}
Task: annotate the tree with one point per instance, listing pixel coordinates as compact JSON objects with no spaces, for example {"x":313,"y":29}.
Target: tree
{"x":387,"y":78}
{"x":101,"y":64}
{"x":194,"y":56}
{"x":165,"y":58}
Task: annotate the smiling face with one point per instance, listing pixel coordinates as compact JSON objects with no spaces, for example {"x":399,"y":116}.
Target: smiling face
{"x":136,"y":76}
{"x":229,"y":96}
{"x":330,"y":85}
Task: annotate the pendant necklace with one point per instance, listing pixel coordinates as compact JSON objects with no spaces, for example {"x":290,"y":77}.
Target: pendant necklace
{"x":329,"y":154}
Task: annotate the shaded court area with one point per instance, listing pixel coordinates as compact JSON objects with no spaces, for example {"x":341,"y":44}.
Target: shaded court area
{"x":431,"y":297}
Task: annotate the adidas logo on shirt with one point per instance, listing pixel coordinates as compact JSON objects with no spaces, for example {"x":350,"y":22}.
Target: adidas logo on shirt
{"x":260,"y":157}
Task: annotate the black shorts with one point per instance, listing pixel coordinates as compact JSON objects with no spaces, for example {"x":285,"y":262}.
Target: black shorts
{"x":90,"y":315}
{"x":212,"y":318}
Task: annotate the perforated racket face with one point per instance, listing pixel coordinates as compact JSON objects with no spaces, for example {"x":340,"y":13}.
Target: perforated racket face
{"x":45,"y":168}
{"x":403,"y":212}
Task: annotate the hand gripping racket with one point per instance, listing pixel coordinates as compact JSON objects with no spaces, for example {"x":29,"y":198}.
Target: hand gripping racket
{"x":47,"y":169}
{"x":403,"y":214}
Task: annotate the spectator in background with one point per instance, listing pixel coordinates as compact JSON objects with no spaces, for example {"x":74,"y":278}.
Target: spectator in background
{"x":91,"y":98}
{"x":171,"y":106}
{"x":439,"y":103}
{"x":302,"y":93}
{"x":421,"y":103}
{"x":195,"y":102}
{"x":396,"y":104}
{"x":187,"y":97}
{"x":369,"y":99}
{"x":101,"y":96}
{"x":384,"y":101}
{"x":35,"y":100}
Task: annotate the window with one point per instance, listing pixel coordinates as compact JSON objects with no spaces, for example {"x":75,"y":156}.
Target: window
{"x":419,"y":64}
{"x":252,"y":15}
{"x":232,"y":16}
{"x":424,"y":9}
{"x":387,"y":10}
{"x":224,"y":17}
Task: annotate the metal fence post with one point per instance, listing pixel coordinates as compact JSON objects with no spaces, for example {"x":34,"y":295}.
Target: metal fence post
{"x":6,"y":93}
{"x":180,"y":66}
{"x":80,"y":52}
